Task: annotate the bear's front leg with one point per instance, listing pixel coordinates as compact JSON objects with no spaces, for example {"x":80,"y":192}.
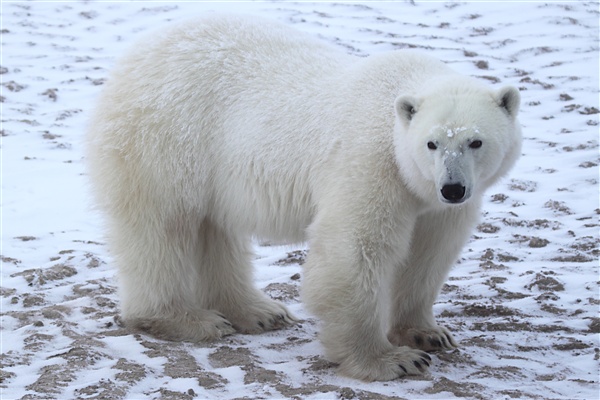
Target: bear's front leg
{"x":437,"y":240}
{"x":345,"y":281}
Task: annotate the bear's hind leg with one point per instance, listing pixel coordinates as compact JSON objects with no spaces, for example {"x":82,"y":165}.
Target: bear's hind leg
{"x":226,"y":281}
{"x":159,"y":282}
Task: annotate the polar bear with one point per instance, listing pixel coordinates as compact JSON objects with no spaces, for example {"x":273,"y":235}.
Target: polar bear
{"x":226,"y":128}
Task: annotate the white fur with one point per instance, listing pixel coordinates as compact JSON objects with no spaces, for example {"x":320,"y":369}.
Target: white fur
{"x":228,"y":127}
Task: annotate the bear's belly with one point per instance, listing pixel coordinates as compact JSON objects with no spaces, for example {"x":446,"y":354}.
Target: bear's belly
{"x":279,"y":213}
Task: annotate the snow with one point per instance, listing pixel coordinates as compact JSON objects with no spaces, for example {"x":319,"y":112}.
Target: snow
{"x":522,"y":300}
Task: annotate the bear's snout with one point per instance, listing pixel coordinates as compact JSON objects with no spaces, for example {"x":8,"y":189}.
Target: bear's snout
{"x":454,"y":193}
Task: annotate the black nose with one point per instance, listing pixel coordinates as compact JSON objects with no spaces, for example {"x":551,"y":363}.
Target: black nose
{"x":453,"y":193}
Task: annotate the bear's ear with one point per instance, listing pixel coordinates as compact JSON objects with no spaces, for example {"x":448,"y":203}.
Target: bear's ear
{"x":406,"y":108}
{"x":509,"y":98}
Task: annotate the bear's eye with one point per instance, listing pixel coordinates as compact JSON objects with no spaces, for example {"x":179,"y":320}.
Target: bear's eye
{"x":431,"y":146}
{"x":475,"y":144}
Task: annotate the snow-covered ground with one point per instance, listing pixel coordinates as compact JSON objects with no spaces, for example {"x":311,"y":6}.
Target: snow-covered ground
{"x":522,"y":301}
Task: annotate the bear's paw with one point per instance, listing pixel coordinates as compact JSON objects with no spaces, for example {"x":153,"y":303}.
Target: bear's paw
{"x":261,"y":315}
{"x":197,"y":326}
{"x":399,"y":362}
{"x":435,"y":339}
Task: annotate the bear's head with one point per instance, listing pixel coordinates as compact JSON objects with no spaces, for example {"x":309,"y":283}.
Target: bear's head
{"x":455,"y":140}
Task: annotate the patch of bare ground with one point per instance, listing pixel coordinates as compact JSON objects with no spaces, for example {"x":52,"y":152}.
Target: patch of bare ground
{"x":484,"y":310}
{"x":523,"y":185}
{"x":458,"y":389}
{"x":487,"y":227}
{"x":39,"y":277}
{"x":103,"y":389}
{"x":546,"y":283}
{"x":533,"y":224}
{"x":293,"y":257}
{"x":283,"y":292}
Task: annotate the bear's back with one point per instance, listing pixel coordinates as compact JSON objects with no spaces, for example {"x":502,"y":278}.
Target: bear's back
{"x":238,"y":50}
